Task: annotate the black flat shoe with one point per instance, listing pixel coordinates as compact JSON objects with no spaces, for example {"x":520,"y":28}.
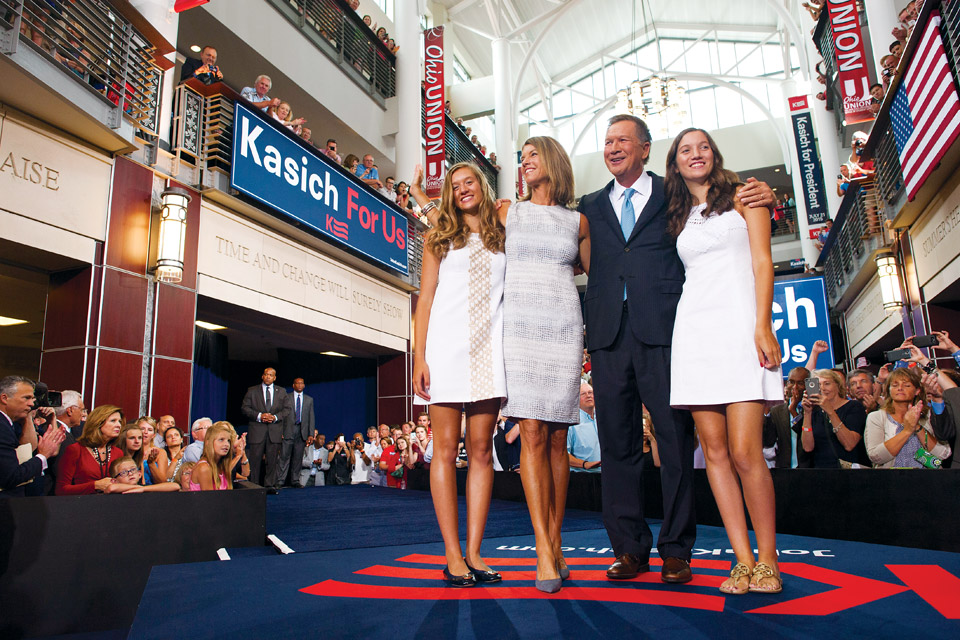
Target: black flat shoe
{"x":485,"y":576}
{"x":468,"y":580}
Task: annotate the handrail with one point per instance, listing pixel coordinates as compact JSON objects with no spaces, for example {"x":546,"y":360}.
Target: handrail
{"x":336,"y":30}
{"x":103,"y":51}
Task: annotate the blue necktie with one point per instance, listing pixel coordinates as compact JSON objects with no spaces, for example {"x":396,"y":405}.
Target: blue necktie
{"x":298,"y":408}
{"x":628,"y":219}
{"x":269,"y":402}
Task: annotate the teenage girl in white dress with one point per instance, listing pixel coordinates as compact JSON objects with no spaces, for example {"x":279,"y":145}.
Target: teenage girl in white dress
{"x":725,"y":359}
{"x":458,"y":359}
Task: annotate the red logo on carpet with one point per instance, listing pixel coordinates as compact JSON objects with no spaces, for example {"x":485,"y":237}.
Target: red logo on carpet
{"x":939,"y":588}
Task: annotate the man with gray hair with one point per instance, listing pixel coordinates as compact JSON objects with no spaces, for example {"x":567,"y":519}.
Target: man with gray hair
{"x":16,"y":402}
{"x":198,"y":431}
{"x":257,"y":94}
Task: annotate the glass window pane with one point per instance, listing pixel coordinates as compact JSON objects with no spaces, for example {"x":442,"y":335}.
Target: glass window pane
{"x":729,"y":108}
{"x":698,"y":58}
{"x":728,"y":57}
{"x":703,"y":109}
{"x":751,"y":60}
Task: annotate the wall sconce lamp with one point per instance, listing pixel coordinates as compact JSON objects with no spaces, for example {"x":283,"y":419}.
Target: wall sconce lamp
{"x":889,"y":274}
{"x":173,"y":234}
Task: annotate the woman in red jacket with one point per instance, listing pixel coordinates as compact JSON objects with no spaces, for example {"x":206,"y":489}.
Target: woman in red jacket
{"x":397,"y":457}
{"x":84,"y":466}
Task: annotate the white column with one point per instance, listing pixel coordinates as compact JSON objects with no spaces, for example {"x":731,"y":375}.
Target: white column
{"x":881,"y":19}
{"x":790,"y":89}
{"x":409,"y":149}
{"x":503,"y":120}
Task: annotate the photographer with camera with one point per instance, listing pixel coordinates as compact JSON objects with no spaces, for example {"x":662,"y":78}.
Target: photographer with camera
{"x":831,"y":433}
{"x":16,"y":404}
{"x":340,"y":457}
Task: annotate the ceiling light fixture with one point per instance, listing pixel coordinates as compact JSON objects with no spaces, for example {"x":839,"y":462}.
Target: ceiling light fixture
{"x":9,"y":322}
{"x":209,"y":325}
{"x":334,"y":353}
{"x":195,"y":48}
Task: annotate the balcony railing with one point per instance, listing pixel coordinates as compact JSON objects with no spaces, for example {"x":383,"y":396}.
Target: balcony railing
{"x":785,"y":229}
{"x":203,"y":130}
{"x":857,"y":232}
{"x":336,"y":29}
{"x":458,"y":148}
{"x":98,"y":46}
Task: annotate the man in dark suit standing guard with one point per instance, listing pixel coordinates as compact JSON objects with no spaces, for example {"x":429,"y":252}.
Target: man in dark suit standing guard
{"x":264,"y":406}
{"x":297,"y":427}
{"x":634,"y":285}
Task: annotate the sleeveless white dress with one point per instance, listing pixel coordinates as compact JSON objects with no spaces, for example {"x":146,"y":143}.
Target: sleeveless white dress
{"x":714,"y":356}
{"x":464,"y":349}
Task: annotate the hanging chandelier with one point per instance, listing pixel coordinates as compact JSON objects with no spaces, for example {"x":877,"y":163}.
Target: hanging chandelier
{"x":657,"y":100}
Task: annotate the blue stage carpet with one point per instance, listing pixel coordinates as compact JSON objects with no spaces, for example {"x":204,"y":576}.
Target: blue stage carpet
{"x":352,"y":516}
{"x":832,"y":589}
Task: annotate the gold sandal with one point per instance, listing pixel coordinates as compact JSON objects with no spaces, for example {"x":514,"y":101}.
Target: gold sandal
{"x":739,"y":571}
{"x":763,"y":570}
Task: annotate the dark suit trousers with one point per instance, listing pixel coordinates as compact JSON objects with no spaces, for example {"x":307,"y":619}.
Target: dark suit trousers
{"x":291,"y":449}
{"x":625,"y":375}
{"x":259,"y":446}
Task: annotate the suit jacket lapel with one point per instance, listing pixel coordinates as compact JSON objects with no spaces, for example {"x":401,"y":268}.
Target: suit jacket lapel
{"x":650,"y":210}
{"x":606,"y":210}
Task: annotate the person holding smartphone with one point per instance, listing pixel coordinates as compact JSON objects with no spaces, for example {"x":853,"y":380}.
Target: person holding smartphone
{"x":831,"y":433}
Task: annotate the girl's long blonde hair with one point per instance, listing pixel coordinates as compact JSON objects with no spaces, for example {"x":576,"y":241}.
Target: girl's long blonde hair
{"x":451,"y":231}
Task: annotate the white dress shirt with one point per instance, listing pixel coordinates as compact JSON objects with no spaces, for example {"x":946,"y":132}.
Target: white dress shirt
{"x":643,"y":187}
{"x":273,"y":396}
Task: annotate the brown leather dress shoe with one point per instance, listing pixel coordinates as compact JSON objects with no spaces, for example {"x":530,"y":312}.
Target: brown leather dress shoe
{"x":627,"y":566}
{"x":676,"y":570}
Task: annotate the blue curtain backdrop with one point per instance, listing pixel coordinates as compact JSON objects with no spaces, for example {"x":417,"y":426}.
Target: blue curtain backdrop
{"x":210,"y":367}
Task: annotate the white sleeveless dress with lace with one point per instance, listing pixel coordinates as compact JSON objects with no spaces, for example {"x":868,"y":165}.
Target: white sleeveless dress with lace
{"x":714,"y":356}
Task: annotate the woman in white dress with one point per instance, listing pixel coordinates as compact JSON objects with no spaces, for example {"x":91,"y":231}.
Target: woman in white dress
{"x":458,"y":359}
{"x":725,"y":359}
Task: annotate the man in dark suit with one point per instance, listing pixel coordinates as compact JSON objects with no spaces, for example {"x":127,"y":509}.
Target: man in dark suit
{"x":778,"y":424}
{"x":634,"y":285}
{"x":264,"y":406}
{"x":298,"y":425}
{"x":16,"y":401}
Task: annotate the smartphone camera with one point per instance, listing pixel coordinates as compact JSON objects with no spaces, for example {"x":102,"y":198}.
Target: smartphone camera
{"x":925,"y":341}
{"x":812,"y":386}
{"x":896,"y":355}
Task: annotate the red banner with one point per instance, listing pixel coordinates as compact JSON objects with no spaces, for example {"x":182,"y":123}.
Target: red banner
{"x":435,"y":127}
{"x":183,"y":5}
{"x":851,"y":60}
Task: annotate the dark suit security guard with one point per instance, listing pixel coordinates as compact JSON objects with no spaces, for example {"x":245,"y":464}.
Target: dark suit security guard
{"x":264,"y":406}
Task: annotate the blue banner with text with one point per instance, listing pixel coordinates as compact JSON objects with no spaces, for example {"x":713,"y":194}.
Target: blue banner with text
{"x":302,"y":184}
{"x":800,"y":318}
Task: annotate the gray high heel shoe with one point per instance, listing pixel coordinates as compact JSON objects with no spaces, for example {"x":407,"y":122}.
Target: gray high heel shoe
{"x":549,"y":586}
{"x":564,"y":572}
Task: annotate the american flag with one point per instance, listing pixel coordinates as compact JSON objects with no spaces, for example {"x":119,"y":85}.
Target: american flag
{"x":925,"y":113}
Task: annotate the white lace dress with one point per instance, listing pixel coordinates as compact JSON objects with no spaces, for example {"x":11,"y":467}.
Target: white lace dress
{"x":464,"y":349}
{"x":714,"y":356}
